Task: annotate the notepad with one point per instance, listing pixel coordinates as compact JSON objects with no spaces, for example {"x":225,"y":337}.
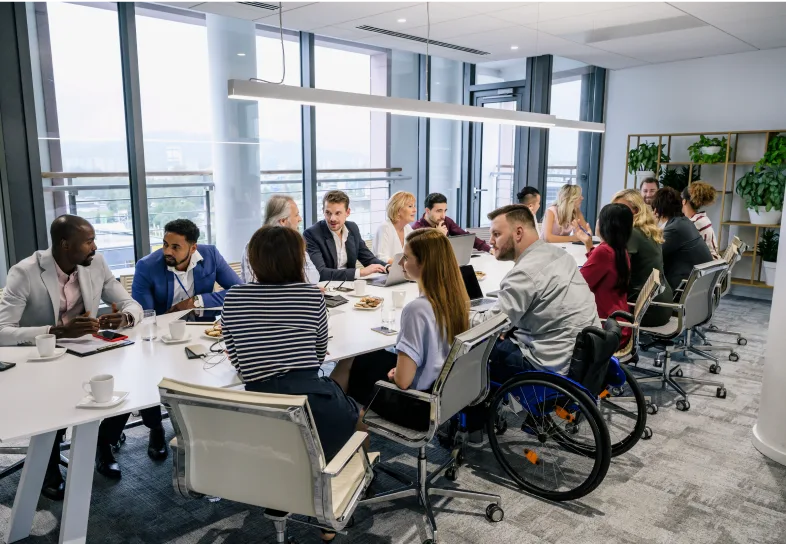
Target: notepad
{"x":88,"y":345}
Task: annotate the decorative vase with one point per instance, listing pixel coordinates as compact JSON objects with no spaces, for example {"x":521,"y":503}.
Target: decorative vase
{"x":711,"y":150}
{"x":761,"y":216}
{"x":769,"y":272}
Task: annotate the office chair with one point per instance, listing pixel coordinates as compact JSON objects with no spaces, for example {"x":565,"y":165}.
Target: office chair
{"x":262,"y":449}
{"x":484,"y":233}
{"x":462,"y":382}
{"x":127,"y":281}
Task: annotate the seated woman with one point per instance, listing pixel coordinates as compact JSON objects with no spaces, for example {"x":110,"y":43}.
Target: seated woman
{"x":559,"y":217}
{"x":389,"y":240}
{"x":696,"y":196}
{"x":276,"y":334}
{"x":607,"y":270}
{"x":683,"y":246}
{"x":427,"y":329}
{"x":644,"y":249}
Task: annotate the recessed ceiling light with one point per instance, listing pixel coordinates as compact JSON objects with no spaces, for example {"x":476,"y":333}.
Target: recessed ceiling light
{"x":514,"y":47}
{"x":241,"y":54}
{"x":402,"y":20}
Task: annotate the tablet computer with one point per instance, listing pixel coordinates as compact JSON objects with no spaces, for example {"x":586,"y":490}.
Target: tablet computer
{"x":200,"y":317}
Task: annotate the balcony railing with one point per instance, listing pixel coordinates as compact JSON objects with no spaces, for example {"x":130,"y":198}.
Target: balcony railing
{"x":556,"y":177}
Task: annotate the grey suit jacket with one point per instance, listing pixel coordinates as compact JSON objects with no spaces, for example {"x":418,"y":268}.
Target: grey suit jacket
{"x":31,"y":300}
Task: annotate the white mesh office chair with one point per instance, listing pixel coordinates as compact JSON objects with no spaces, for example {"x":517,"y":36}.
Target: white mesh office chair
{"x":127,"y":281}
{"x":462,"y":382}
{"x":484,"y":233}
{"x":263,"y":450}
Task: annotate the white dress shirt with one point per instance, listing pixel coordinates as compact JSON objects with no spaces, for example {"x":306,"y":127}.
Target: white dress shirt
{"x":341,"y":249}
{"x":186,"y":277}
{"x":310,"y":271}
{"x":387,"y":243}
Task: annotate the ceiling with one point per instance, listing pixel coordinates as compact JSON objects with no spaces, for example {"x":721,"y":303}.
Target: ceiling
{"x":613,"y":35}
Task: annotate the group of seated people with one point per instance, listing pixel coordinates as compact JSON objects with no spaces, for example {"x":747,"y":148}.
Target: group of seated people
{"x":275,"y":318}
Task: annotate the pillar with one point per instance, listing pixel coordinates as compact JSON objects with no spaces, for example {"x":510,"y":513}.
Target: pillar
{"x":231,"y":47}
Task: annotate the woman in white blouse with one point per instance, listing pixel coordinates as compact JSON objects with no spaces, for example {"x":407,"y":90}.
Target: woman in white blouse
{"x":391,"y":234}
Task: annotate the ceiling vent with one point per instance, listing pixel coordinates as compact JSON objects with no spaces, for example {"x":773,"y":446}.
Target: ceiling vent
{"x":422,"y":40}
{"x":261,"y":5}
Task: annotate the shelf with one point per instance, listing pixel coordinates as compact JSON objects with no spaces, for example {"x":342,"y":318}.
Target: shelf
{"x":750,"y":163}
{"x":748,"y":224}
{"x":721,"y":190}
{"x":750,"y":283}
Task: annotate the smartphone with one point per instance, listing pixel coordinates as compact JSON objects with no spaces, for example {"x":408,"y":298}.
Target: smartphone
{"x":110,"y":336}
{"x":196,"y":351}
{"x":384,"y":330}
{"x":6,"y":366}
{"x":345,"y":289}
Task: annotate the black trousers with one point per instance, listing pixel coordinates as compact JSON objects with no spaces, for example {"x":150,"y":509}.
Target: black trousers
{"x":151,"y":417}
{"x":108,"y":433}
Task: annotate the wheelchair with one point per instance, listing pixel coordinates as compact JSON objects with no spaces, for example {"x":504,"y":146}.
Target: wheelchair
{"x":555,"y":435}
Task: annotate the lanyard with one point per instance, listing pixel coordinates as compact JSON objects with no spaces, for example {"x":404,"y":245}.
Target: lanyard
{"x":183,"y":287}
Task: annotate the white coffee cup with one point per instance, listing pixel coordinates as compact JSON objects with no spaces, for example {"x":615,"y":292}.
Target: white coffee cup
{"x":399,"y":297}
{"x":360,"y":287}
{"x":101,"y":387}
{"x":177,"y":329}
{"x":45,"y":344}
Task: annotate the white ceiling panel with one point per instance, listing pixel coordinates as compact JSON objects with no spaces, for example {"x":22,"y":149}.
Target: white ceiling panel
{"x":322,"y":14}
{"x":638,"y":13}
{"x":762,"y":33}
{"x":414,"y":17}
{"x":182,"y":5}
{"x":235,"y":10}
{"x":460,"y":27}
{"x":716,"y":13}
{"x":596,"y":57}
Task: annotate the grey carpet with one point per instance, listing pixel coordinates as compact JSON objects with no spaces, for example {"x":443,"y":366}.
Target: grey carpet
{"x":698,"y":480}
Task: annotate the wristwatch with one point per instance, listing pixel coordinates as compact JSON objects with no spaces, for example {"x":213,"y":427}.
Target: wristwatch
{"x":198,"y":302}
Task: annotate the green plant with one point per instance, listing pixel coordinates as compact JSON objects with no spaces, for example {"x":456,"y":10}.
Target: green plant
{"x":768,"y":246}
{"x":645,"y":157}
{"x":765,"y":188}
{"x":678,"y":179}
{"x":699,"y":158}
{"x":775,"y":155}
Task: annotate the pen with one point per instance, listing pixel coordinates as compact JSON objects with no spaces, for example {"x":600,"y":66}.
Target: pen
{"x":584,"y":230}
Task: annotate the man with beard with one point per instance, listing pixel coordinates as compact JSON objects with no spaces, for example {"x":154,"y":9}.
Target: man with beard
{"x":55,"y":292}
{"x":544,"y":295}
{"x":178,"y":277}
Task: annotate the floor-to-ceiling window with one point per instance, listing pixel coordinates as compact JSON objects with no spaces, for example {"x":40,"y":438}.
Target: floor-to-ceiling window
{"x":447,"y":78}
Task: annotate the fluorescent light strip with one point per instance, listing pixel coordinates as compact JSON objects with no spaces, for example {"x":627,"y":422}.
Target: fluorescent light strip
{"x":584,"y":126}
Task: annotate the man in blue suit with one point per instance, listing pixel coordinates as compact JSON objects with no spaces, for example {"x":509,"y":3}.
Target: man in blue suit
{"x":178,"y":277}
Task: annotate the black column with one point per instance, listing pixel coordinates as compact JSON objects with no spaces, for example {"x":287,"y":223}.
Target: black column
{"x":25,"y":229}
{"x":593,"y":88}
{"x":308,"y":126}
{"x":533,"y":152}
{"x":424,"y":130}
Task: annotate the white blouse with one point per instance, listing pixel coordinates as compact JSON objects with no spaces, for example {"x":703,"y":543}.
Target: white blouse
{"x":386,"y":243}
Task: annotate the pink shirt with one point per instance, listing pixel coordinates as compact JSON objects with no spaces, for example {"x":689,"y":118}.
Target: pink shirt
{"x":556,"y":228}
{"x":71,"y":304}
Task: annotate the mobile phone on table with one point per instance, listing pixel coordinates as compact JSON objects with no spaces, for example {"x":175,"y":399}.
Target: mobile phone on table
{"x":110,"y":336}
{"x":387,"y":331}
{"x":6,"y":366}
{"x":196,"y":351}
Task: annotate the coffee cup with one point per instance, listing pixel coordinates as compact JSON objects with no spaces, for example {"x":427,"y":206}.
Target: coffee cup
{"x":360,"y":287}
{"x":45,"y":343}
{"x":399,"y":297}
{"x":177,"y":329}
{"x":100,"y":387}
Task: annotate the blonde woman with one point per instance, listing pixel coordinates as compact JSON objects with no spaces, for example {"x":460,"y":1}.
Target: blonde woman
{"x":389,"y":240}
{"x":646,"y":254}
{"x":559,"y":217}
{"x":695,"y":197}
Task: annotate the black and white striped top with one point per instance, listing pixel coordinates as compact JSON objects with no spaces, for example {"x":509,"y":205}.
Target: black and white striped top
{"x":272,"y":329}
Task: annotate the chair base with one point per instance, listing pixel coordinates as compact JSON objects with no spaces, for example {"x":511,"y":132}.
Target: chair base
{"x":23,"y":451}
{"x":423,"y":490}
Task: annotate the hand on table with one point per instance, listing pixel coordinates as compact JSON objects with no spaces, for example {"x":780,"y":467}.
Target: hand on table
{"x":80,"y":326}
{"x":187,"y":304}
{"x":115,"y":320}
{"x":371,"y":269}
{"x":392,"y":374}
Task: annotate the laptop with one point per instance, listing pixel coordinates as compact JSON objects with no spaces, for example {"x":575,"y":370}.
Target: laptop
{"x":394,"y":276}
{"x":477,"y":302}
{"x":462,"y":247}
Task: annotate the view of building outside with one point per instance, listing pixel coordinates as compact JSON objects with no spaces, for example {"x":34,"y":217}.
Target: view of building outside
{"x":563,"y":144}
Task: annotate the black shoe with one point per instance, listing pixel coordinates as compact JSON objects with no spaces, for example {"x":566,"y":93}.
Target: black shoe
{"x":54,"y":485}
{"x":156,"y":448}
{"x":106,"y":464}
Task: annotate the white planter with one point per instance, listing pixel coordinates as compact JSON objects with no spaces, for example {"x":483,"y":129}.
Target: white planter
{"x":644,"y":174}
{"x":769,"y":272}
{"x":711,"y":150}
{"x":764,"y":217}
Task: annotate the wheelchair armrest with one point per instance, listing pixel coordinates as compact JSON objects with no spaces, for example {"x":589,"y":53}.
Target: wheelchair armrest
{"x":624,"y":315}
{"x":414,"y":393}
{"x":672,"y":305}
{"x":345,"y":454}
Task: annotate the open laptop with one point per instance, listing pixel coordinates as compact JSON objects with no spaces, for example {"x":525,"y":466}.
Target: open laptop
{"x":477,"y":302}
{"x":394,"y":276}
{"x":462,"y":247}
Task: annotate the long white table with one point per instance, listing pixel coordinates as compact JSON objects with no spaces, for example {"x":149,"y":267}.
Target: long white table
{"x":43,"y":396}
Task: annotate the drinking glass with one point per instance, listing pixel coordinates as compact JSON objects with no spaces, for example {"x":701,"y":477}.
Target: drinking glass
{"x":388,"y":317}
{"x":149,"y":328}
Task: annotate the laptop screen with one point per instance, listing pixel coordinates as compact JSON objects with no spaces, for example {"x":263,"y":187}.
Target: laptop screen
{"x":471,"y":282}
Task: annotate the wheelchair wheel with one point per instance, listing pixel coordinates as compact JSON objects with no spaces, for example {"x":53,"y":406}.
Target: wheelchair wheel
{"x":556,"y":445}
{"x":624,"y":411}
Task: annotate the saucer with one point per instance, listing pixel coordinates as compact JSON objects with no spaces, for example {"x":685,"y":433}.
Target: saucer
{"x":59,"y":352}
{"x":352,"y":294}
{"x":88,"y":402}
{"x":166,"y":339}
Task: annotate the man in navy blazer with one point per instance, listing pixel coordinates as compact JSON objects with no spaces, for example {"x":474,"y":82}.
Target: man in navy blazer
{"x":335,"y":245}
{"x":178,"y":277}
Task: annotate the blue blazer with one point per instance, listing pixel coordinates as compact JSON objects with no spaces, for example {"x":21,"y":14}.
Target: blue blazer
{"x":322,"y":249}
{"x":154,"y":285}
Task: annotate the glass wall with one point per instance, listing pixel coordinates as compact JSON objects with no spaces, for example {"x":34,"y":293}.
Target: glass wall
{"x":447,"y":85}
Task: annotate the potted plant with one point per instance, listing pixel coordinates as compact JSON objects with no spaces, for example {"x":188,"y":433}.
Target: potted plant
{"x":678,"y":179}
{"x":763,"y":193}
{"x":775,"y":155}
{"x":708,"y":150}
{"x":768,"y":251}
{"x":643,"y":160}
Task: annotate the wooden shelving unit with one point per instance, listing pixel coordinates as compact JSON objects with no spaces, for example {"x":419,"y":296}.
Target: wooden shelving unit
{"x":724,"y":224}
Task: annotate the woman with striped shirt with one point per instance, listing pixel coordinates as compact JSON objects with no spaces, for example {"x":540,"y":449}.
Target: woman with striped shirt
{"x":276,"y":333}
{"x":696,"y":196}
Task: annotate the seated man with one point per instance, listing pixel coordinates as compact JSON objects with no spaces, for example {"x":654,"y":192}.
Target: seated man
{"x":335,"y":245}
{"x":178,"y":277}
{"x":436,"y":217}
{"x":58,"y":291}
{"x":530,"y":197}
{"x":648,"y":188}
{"x":544,"y":296}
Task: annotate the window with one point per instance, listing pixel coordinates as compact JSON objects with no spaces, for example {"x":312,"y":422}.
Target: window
{"x":563,"y":150}
{"x":447,"y":84}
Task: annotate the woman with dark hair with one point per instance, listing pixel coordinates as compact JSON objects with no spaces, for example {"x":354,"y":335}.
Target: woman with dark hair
{"x":607,"y":270}
{"x":683,"y":246}
{"x":696,"y":196}
{"x":276,"y":334}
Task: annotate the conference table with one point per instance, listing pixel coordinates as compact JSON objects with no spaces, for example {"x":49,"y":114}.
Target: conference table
{"x":42,"y":396}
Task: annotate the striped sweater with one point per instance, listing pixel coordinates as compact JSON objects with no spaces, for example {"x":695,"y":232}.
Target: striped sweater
{"x":704,"y":225}
{"x":272,"y":329}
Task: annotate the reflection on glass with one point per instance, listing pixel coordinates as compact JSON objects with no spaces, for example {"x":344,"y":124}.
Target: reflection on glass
{"x":496,"y":163}
{"x":563,"y":144}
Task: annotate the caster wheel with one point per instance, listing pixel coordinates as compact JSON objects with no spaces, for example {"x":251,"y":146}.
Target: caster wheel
{"x":647,"y":434}
{"x":350,"y":523}
{"x":652,"y":409}
{"x":494,"y":513}
{"x":734,"y":356}
{"x":501,"y":427}
{"x":460,"y":459}
{"x":678,"y":373}
{"x":428,"y":541}
{"x":712,"y":328}
{"x":721,"y":393}
{"x":683,"y":405}
{"x":742,"y":341}
{"x":657,"y":363}
{"x":451,"y":474}
{"x":572,"y":428}
{"x":715,"y":369}
{"x":291,"y":540}
{"x":616,"y":392}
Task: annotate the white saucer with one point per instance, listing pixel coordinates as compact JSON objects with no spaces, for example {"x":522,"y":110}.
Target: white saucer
{"x":88,"y":402}
{"x":166,"y":339}
{"x":213,"y":338}
{"x":352,"y":294}
{"x":59,"y":352}
{"x":374,"y":309}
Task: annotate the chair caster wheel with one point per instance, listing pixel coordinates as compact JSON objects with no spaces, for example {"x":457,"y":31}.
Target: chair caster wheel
{"x":428,"y":541}
{"x":451,"y":474}
{"x":715,"y":369}
{"x":657,"y":363}
{"x":616,"y":391}
{"x":494,"y":513}
{"x":678,"y":373}
{"x":683,"y":405}
{"x":647,"y":434}
{"x":721,"y":393}
{"x":734,"y":356}
{"x":652,"y":409}
{"x":742,"y":341}
{"x":501,"y":427}
{"x":350,"y":523}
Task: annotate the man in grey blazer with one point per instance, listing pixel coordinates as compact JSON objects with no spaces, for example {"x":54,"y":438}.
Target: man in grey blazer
{"x":58,"y":291}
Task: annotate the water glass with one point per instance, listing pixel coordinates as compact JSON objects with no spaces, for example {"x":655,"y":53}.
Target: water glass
{"x":388,"y":317}
{"x":149,"y":328}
